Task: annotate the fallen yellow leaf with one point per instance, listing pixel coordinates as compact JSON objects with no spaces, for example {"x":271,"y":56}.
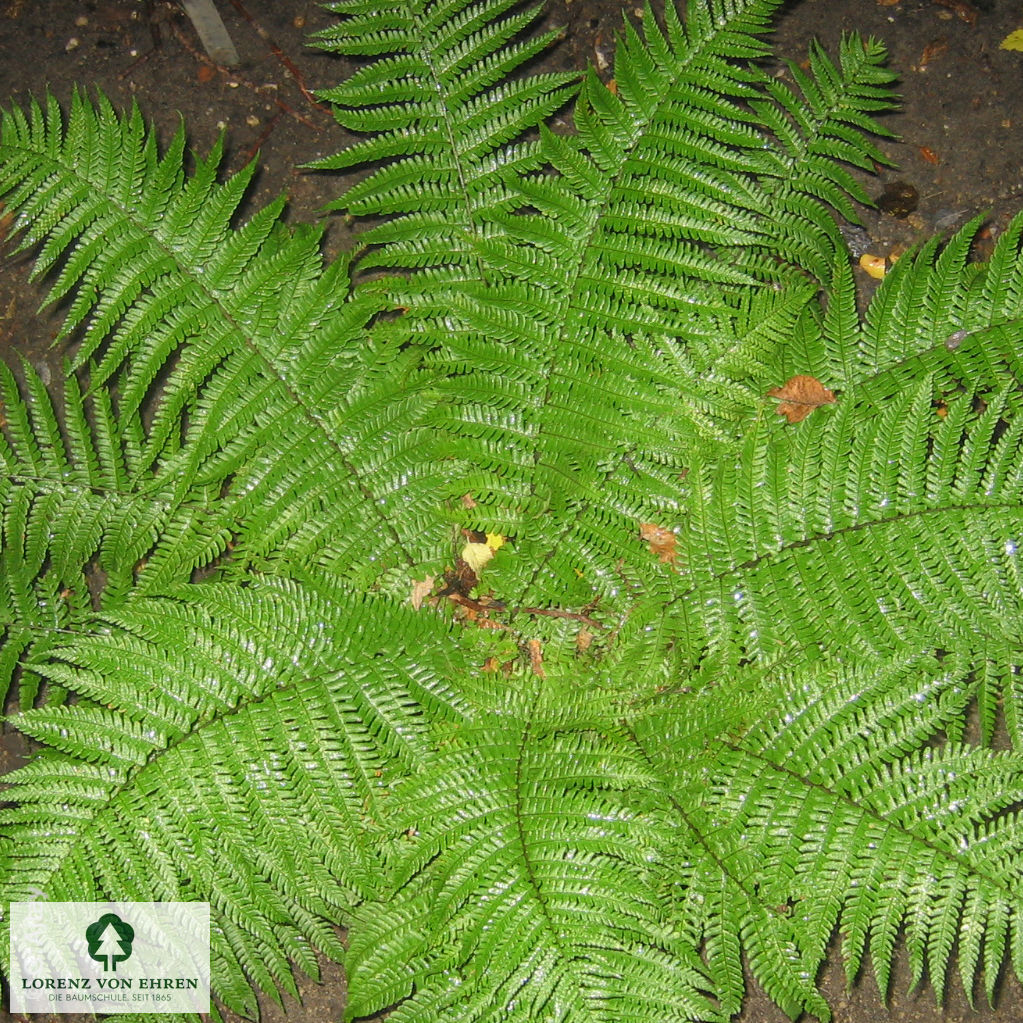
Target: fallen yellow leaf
{"x":1013,"y":41}
{"x":476,"y":555}
{"x":874,"y":265}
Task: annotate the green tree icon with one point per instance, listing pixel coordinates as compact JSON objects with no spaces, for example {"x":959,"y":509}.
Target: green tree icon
{"x":110,"y":940}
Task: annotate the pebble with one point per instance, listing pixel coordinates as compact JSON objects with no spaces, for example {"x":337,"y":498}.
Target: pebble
{"x":856,"y":238}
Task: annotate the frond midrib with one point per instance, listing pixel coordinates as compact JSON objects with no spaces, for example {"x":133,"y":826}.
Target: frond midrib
{"x":429,"y":59}
{"x":571,"y":276}
{"x":768,"y":556}
{"x":859,"y":527}
{"x":310,"y":415}
{"x":134,"y":775}
{"x":1000,"y":883}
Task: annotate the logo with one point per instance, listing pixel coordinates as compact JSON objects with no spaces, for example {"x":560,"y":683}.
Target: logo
{"x":109,"y":957}
{"x":109,"y":940}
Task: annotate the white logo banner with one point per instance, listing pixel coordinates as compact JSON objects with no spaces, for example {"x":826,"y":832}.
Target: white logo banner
{"x":110,"y":957}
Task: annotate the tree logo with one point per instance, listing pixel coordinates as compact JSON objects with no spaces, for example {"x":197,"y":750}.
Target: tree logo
{"x":110,"y":940}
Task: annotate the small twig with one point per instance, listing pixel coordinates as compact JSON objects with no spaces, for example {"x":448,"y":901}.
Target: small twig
{"x":553,"y":612}
{"x":285,"y":109}
{"x":134,"y":64}
{"x":187,"y":44}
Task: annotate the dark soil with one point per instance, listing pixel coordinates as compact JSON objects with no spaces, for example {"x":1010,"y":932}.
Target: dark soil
{"x":960,"y":148}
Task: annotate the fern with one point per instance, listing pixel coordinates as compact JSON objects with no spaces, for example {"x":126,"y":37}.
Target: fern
{"x":702,"y":699}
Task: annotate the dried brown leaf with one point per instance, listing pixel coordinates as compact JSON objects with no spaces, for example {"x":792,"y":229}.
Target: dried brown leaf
{"x":535,"y":651}
{"x":421,"y":589}
{"x":962,"y":9}
{"x":935,"y":48}
{"x":661,"y":541}
{"x":800,"y":395}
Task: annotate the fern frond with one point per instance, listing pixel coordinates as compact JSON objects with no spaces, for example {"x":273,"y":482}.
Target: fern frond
{"x":716,"y":702}
{"x":820,"y":132}
{"x":837,"y":811}
{"x":660,"y":242}
{"x":83,"y":518}
{"x":524,"y":892}
{"x":446,"y":116}
{"x":248,"y":739}
{"x":266,"y":383}
{"x":873,"y":526}
{"x":893,"y":842}
{"x":936,"y":312}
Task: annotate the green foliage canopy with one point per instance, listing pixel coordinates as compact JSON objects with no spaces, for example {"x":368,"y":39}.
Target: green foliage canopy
{"x":707,"y":703}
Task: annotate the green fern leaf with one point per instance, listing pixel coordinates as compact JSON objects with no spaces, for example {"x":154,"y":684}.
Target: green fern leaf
{"x":444,"y":114}
{"x":82,"y":514}
{"x":256,"y":366}
{"x":262,"y":717}
{"x":490,"y":901}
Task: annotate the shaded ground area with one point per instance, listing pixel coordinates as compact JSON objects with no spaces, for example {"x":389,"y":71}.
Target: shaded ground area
{"x":961,"y":151}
